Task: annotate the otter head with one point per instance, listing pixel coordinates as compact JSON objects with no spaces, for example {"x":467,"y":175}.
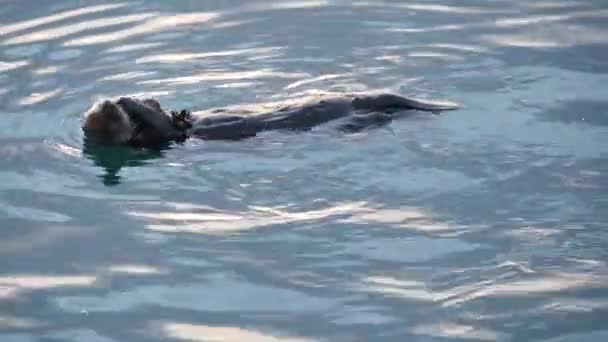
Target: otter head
{"x":108,"y":123}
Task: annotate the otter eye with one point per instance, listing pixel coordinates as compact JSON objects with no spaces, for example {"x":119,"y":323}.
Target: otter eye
{"x":113,"y":114}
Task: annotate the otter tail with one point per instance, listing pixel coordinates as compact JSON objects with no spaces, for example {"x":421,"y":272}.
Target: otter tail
{"x":389,"y":102}
{"x":430,"y":105}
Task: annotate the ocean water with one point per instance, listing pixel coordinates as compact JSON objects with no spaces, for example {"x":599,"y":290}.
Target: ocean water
{"x":483,"y":224}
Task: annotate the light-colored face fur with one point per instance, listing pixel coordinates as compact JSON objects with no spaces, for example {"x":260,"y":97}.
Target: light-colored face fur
{"x":107,"y":122}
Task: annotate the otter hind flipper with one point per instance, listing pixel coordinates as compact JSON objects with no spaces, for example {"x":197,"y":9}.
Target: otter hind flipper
{"x":392,"y":102}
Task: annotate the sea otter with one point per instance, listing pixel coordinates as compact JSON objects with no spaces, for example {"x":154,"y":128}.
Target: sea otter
{"x":130,"y":121}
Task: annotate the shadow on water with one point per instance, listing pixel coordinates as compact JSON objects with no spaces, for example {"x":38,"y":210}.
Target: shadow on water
{"x":113,"y":158}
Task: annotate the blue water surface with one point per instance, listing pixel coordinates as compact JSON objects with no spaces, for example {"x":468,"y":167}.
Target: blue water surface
{"x":483,"y":224}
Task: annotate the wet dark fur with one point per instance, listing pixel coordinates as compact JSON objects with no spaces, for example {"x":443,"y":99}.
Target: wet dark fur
{"x":148,"y":124}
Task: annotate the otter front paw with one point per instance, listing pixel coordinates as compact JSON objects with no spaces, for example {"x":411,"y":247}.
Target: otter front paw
{"x":182,"y":120}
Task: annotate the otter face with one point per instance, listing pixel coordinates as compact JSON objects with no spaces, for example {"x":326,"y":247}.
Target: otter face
{"x":108,"y":123}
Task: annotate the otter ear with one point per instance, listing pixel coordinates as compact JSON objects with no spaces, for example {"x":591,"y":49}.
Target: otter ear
{"x":153,"y":103}
{"x":107,"y":106}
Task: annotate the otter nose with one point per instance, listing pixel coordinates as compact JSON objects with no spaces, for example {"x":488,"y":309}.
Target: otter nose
{"x":92,"y":123}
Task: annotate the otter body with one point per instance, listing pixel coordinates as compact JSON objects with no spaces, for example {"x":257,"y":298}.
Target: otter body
{"x":144,"y":123}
